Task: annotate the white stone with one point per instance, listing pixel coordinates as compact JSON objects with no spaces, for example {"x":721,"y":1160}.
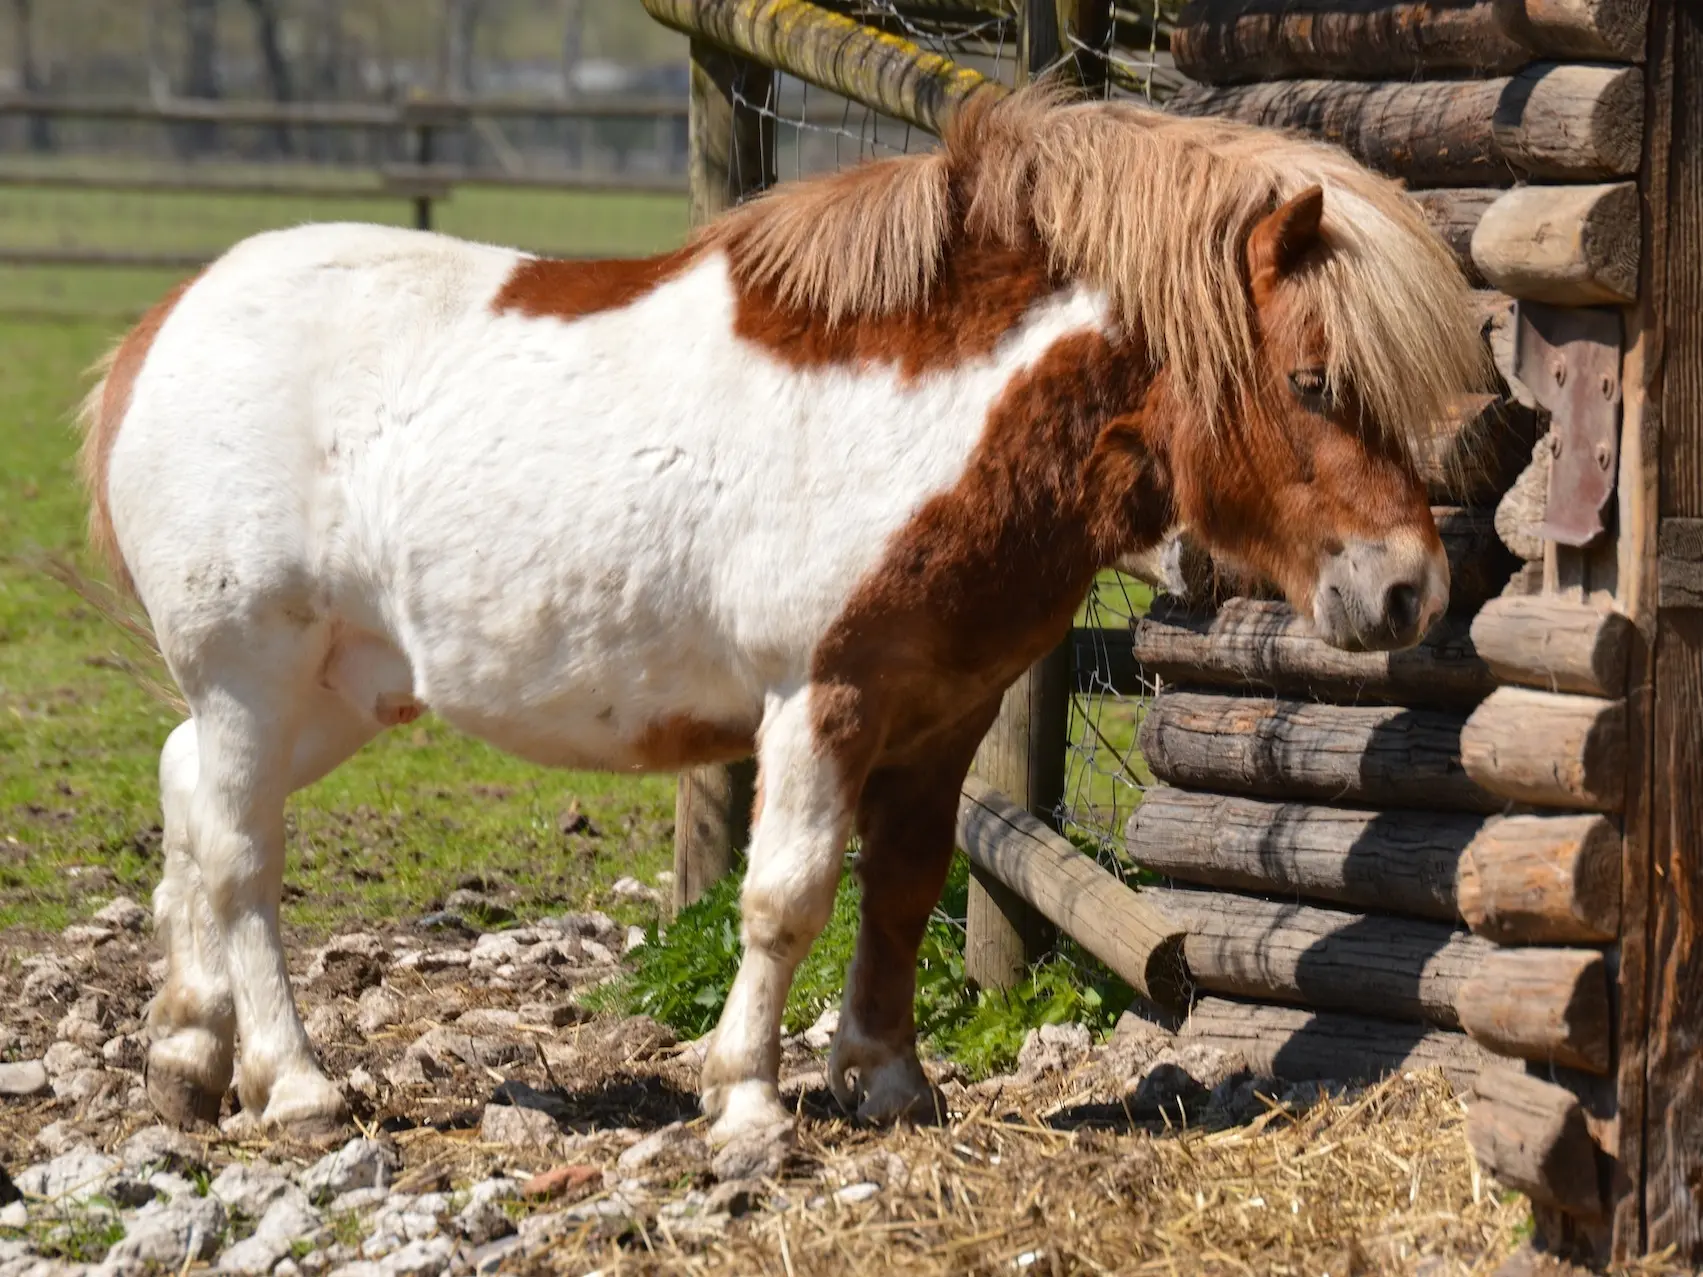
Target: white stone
{"x":253,"y":1188}
{"x":123,"y":913}
{"x":84,"y":934}
{"x":425,"y":1258}
{"x":361,"y":1163}
{"x":852,"y":1194}
{"x":167,"y":1235}
{"x":72,"y":1176}
{"x":670,"y":1143}
{"x":324,"y":1023}
{"x":635,"y":940}
{"x":820,"y":1036}
{"x":378,"y":1009}
{"x":67,"y":1057}
{"x":633,"y":889}
{"x":517,"y":1127}
{"x":14,"y":1215}
{"x":23,"y":1078}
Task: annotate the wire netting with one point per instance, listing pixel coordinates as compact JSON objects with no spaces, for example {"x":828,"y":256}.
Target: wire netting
{"x":816,"y":131}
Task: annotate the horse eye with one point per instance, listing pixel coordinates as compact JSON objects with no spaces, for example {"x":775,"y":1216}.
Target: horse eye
{"x":1310,"y":383}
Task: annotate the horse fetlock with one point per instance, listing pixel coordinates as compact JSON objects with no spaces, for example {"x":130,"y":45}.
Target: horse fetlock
{"x":186,"y":1074}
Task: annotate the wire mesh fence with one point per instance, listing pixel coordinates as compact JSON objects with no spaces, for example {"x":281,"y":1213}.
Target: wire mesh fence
{"x":814,"y":131}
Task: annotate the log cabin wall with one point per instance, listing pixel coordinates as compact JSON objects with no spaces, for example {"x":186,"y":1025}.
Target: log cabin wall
{"x":1397,"y":860}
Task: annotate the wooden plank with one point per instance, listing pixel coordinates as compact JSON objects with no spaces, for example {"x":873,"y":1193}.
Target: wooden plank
{"x":1257,"y":643}
{"x":1300,"y":1045}
{"x":1680,"y":566}
{"x":1570,"y":245}
{"x":1022,"y":758}
{"x":1366,"y":755}
{"x":1673,"y":1153}
{"x":885,"y":73}
{"x":1542,"y":880}
{"x":1548,"y":1005}
{"x":1112,"y":922}
{"x":1556,"y":643}
{"x":1548,"y":748}
{"x":1238,"y":41}
{"x":1531,"y":1135}
{"x":1275,"y":951}
{"x":1568,"y":122}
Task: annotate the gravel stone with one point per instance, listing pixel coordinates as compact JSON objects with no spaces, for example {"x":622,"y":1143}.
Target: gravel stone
{"x":72,"y":1176}
{"x":123,"y":913}
{"x":852,"y":1194}
{"x":635,"y":940}
{"x":357,"y":944}
{"x":23,"y":1078}
{"x":167,"y":1235}
{"x":425,"y":1258}
{"x":633,"y":889}
{"x":820,"y":1036}
{"x":758,"y":1155}
{"x":48,"y":981}
{"x":253,"y":1188}
{"x":672,"y":1143}
{"x":361,"y":1163}
{"x":82,"y":933}
{"x":517,"y":1127}
{"x":66,"y":1057}
{"x":379,"y":1008}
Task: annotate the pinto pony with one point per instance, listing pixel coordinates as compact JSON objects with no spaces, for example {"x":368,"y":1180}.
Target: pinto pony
{"x":820,"y":484}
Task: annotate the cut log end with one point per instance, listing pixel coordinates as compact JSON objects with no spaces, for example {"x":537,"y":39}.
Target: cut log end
{"x":1532,"y":1136}
{"x":1548,"y":749}
{"x":1547,"y":1005}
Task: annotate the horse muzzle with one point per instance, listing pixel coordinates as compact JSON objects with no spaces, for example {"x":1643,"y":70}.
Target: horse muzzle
{"x":1380,"y":596}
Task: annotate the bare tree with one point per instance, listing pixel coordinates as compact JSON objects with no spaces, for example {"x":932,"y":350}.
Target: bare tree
{"x":573,"y":51}
{"x":265,"y":13}
{"x":40,"y":129}
{"x":461,"y":38}
{"x":201,"y":66}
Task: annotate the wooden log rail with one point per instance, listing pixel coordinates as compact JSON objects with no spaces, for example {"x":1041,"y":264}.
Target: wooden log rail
{"x":1555,"y":643}
{"x":1237,"y":41}
{"x":1373,"y":756}
{"x":1516,"y":880}
{"x":1549,"y":1005}
{"x":1533,"y":1136}
{"x":1119,"y":926}
{"x":1301,"y":1045}
{"x":1260,"y":643}
{"x":1548,"y":749}
{"x":1574,"y":122}
{"x":883,"y":72}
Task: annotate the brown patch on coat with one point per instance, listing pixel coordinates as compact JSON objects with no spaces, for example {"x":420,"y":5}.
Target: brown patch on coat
{"x":102,"y":415}
{"x":679,"y":741}
{"x":569,"y":290}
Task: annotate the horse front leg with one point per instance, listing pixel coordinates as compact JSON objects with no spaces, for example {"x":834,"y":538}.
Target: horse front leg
{"x":907,"y":818}
{"x":813,"y":759}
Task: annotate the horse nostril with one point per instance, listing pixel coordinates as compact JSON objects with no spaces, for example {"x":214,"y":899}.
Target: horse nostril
{"x":1401,"y":608}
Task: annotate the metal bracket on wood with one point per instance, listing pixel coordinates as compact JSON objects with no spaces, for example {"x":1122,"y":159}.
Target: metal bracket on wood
{"x":1569,"y":358}
{"x":1679,"y":563}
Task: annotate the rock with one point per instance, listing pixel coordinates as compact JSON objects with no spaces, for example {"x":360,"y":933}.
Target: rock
{"x":123,"y":913}
{"x":820,"y":1036}
{"x":633,"y":889}
{"x":424,"y":1258}
{"x":85,"y":934}
{"x":551,"y":1015}
{"x":129,"y":1192}
{"x":758,"y":1155}
{"x":160,"y":1148}
{"x":561,"y":1181}
{"x":483,"y":1219}
{"x":169,"y":1235}
{"x":852,"y":1194}
{"x":596,"y":952}
{"x":670,"y":1144}
{"x":436,"y":1053}
{"x":434,"y":960}
{"x":324,"y":1023}
{"x":378,"y":1009}
{"x":356,"y":944}
{"x":48,"y":981}
{"x":1053,"y":1048}
{"x":636,"y":939}
{"x":574,"y":821}
{"x":361,"y":1163}
{"x":587,"y":926}
{"x":23,"y":1078}
{"x":357,"y":1201}
{"x":734,"y":1197}
{"x":1183,"y":1077}
{"x":14,"y":1215}
{"x":478,"y":908}
{"x":67,"y":1057}
{"x":80,"y":1087}
{"x":444,"y":920}
{"x":362,"y":1082}
{"x":253,"y":1188}
{"x":60,"y":1137}
{"x":73,"y":1176}
{"x":488,"y":1020}
{"x":124,"y":1051}
{"x":517,"y":1127}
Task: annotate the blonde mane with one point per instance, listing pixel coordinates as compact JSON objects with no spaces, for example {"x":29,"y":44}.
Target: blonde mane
{"x":1154,"y":211}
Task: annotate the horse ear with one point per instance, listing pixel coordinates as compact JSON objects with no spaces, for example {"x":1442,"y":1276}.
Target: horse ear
{"x":1282,"y":238}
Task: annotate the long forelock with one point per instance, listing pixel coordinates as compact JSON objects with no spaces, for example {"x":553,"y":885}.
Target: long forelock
{"x":1153,"y":211}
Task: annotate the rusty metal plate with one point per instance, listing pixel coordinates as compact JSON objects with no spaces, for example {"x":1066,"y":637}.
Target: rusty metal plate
{"x":1569,"y":358}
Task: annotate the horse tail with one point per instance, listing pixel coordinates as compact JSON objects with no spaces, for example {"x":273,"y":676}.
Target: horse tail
{"x":101,"y":415}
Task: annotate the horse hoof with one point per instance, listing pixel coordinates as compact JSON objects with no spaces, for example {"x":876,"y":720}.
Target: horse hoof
{"x":741,"y":1109}
{"x":891,"y":1090}
{"x":306,"y":1108}
{"x":177,"y":1097}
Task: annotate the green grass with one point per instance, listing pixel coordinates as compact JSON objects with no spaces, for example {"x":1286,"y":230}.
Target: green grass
{"x":388,"y":834}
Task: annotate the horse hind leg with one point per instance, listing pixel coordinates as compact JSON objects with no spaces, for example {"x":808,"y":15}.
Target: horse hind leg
{"x":906,"y":818}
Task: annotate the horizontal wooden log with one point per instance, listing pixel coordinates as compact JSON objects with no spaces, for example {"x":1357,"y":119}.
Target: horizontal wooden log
{"x":1330,"y":959}
{"x":883,"y":72}
{"x":1521,"y":511}
{"x":1570,"y":245}
{"x":1398,"y":861}
{"x":1300,"y":1045}
{"x":1374,"y":756}
{"x":1453,"y":213}
{"x":1556,"y":643}
{"x":1527,"y":880}
{"x":1532,"y":1136}
{"x":1119,"y":926}
{"x":1239,"y":41}
{"x":1256,"y":643}
{"x":1548,"y":1005}
{"x":1548,"y":749}
{"x":1572,"y":122}
{"x":1479,"y":564}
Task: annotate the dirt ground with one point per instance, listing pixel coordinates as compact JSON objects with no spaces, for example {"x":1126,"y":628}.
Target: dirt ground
{"x":504,"y":1129}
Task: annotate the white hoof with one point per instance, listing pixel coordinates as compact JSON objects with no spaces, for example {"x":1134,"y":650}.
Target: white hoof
{"x":305,"y":1106}
{"x":746,"y":1108}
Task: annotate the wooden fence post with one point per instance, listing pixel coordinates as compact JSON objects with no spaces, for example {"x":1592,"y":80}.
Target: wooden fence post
{"x":731,"y":154}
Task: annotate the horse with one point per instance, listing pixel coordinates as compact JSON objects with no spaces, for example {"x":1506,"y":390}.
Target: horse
{"x":817,"y":486}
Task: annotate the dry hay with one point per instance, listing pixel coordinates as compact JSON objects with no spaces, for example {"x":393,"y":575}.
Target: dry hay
{"x":1376,"y":1182}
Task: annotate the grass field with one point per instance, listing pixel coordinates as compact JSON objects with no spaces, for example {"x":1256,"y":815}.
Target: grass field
{"x":394,"y":830}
